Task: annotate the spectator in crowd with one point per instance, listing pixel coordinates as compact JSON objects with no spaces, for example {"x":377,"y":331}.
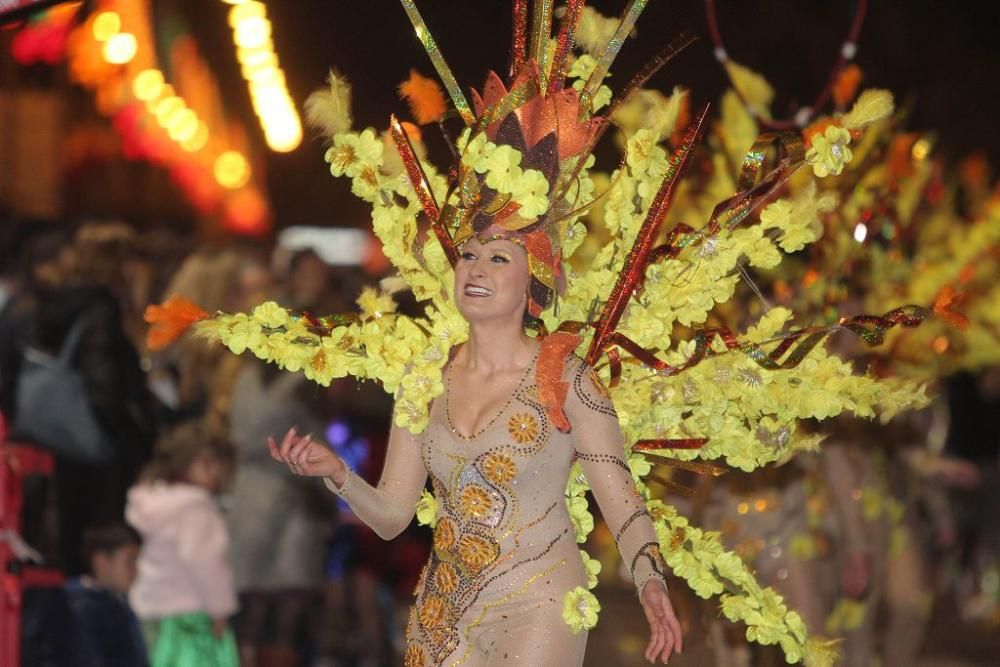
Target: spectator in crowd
{"x":278,"y":524}
{"x":184,"y":593}
{"x":87,"y":281}
{"x":26,"y":245}
{"x":109,"y":631}
{"x":193,"y":378}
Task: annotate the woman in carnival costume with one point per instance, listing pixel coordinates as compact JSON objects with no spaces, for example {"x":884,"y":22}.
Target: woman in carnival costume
{"x":513,"y":429}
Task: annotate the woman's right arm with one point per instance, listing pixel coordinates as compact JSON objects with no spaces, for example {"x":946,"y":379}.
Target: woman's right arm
{"x":387,"y":508}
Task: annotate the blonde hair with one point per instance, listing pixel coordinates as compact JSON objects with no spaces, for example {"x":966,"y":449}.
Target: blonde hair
{"x":181,"y":446}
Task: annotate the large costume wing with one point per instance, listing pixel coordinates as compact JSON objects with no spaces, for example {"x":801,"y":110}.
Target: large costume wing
{"x":660,"y":250}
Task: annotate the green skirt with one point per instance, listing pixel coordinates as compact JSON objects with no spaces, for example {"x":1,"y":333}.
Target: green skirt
{"x":186,"y":640}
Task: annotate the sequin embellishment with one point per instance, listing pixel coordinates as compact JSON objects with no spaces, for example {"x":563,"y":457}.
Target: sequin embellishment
{"x":475,"y":501}
{"x":476,"y":552}
{"x":523,"y":428}
{"x":499,"y":468}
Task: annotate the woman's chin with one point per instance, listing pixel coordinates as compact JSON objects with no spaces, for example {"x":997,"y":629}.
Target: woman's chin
{"x":479,"y":309}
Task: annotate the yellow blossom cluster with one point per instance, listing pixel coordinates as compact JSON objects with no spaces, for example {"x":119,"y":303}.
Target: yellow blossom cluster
{"x":748,"y":414}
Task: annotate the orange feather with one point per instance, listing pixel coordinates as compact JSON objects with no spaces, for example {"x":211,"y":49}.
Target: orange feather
{"x":170,"y":320}
{"x":424,"y":96}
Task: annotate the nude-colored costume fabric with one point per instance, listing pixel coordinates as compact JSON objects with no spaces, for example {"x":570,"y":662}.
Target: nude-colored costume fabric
{"x":505,"y":552}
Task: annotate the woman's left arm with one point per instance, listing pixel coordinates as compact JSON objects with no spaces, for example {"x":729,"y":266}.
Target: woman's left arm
{"x":599,"y":445}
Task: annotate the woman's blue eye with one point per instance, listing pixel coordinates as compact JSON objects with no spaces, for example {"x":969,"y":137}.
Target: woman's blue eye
{"x":499,"y":259}
{"x":468,"y":256}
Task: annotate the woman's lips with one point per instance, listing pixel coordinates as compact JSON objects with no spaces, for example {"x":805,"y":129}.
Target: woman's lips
{"x":477,"y":291}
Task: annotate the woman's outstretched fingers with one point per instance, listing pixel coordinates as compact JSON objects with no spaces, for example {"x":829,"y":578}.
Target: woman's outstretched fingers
{"x":654,"y":646}
{"x":657,"y":637}
{"x":668,"y":646}
{"x":301,"y":455}
{"x":286,"y":443}
{"x":674,"y":626}
{"x":272,"y":448}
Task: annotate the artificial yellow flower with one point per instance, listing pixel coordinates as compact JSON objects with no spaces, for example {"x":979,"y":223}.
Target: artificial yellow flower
{"x":531,"y":192}
{"x":580,"y":609}
{"x":592,"y":567}
{"x":367,"y":183}
{"x":829,"y":152}
{"x":582,"y":520}
{"x":270,"y":315}
{"x":374,"y":303}
{"x":427,"y":509}
{"x":478,"y":152}
{"x":242,"y":333}
{"x":577,"y":484}
{"x":504,"y":168}
{"x":343,"y":155}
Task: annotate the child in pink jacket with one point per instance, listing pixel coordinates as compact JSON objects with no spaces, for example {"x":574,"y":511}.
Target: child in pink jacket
{"x":184,"y":593}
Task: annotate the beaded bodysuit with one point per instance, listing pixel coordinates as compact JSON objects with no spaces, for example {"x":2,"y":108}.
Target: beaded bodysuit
{"x":505,"y":551}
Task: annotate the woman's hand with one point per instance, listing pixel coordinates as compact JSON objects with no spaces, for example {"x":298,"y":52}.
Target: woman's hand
{"x":304,"y":456}
{"x":664,"y":629}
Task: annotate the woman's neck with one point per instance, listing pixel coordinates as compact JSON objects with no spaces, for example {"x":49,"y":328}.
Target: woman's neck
{"x":497,"y":346}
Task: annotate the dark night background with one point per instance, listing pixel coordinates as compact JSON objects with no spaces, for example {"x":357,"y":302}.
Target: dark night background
{"x":943,"y":58}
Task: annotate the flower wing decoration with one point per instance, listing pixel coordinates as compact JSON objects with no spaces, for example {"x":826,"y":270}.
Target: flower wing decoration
{"x":635,"y":268}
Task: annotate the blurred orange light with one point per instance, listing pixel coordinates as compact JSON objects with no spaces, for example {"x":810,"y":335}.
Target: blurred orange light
{"x":197,"y":141}
{"x":246,"y":10}
{"x":252,"y":32}
{"x":120,"y":49}
{"x":940,"y":344}
{"x":182,"y":125}
{"x":106,"y":25}
{"x":148,"y":85}
{"x":231,"y":170}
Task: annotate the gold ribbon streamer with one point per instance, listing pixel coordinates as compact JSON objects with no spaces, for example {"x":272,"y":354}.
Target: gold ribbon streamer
{"x":564,"y":44}
{"x":635,"y":261}
{"x":629,"y":18}
{"x":541,"y":31}
{"x":431,"y":47}
{"x":518,"y":42}
{"x":418,"y":179}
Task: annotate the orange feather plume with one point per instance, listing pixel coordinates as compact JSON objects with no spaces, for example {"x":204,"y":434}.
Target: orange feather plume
{"x":170,"y":320}
{"x":944,"y":307}
{"x":424,"y":96}
{"x":845,"y":88}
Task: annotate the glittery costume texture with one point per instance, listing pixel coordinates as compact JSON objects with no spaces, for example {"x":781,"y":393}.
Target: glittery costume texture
{"x":505,"y":552}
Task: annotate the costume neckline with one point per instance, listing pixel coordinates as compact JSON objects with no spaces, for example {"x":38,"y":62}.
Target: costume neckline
{"x":503,"y":408}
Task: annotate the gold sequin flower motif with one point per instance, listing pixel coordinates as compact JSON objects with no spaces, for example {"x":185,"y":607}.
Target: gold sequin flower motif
{"x":446,"y":578}
{"x":523,"y":428}
{"x":433,"y":612}
{"x":475,"y":501}
{"x":414,"y":656}
{"x":444,"y":535}
{"x":476,"y":552}
{"x":499,"y":468}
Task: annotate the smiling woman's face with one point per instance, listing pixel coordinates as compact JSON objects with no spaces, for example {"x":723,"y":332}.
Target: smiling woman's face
{"x":491,"y":280}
